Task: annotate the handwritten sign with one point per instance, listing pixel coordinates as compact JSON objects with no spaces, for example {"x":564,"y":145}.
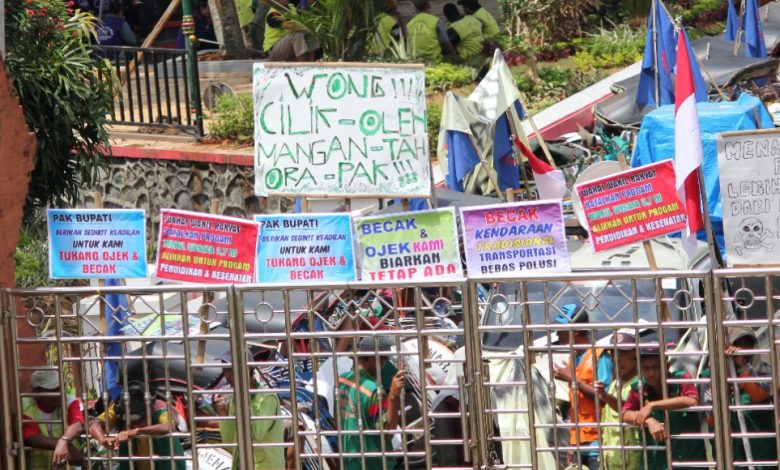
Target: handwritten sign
{"x":96,"y":243}
{"x":632,"y":205}
{"x":196,"y":247}
{"x":340,"y":130}
{"x":749,"y":170}
{"x":512,"y":239}
{"x":305,"y":247}
{"x":409,"y":246}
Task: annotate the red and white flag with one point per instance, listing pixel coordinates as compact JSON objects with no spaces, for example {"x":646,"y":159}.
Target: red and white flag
{"x":688,"y":155}
{"x":550,"y":183}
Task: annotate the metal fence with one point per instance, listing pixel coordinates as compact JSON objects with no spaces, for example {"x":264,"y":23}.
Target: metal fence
{"x":155,"y":88}
{"x":492,"y":373}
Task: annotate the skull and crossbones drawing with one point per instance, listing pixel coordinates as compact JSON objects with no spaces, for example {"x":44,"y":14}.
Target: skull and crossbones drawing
{"x":751,"y":236}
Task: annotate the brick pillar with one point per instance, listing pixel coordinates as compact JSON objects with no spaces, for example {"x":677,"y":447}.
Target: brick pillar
{"x":17,"y":152}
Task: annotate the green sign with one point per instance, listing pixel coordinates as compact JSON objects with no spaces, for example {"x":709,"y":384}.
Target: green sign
{"x":410,"y":246}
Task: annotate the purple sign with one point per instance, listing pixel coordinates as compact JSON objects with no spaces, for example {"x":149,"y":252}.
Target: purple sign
{"x":515,"y":239}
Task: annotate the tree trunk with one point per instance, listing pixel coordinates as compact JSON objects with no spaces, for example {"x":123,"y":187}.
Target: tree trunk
{"x":232,"y":38}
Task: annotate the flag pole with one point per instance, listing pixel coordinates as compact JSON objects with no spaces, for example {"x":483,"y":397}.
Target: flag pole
{"x":653,"y":11}
{"x":512,"y":127}
{"x":491,"y":172}
{"x":737,"y":39}
{"x":714,"y":250}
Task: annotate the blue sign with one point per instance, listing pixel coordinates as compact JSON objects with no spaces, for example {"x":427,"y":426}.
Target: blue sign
{"x":301,"y":248}
{"x":96,"y":243}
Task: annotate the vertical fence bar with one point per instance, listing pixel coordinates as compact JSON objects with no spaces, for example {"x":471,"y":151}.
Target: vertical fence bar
{"x":197,"y":102}
{"x":5,"y":378}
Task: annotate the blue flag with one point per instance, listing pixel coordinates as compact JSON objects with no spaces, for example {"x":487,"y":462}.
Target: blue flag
{"x":754,"y":32}
{"x":504,"y":157}
{"x":116,"y":315}
{"x":462,"y":157}
{"x":732,"y":22}
{"x":660,"y":33}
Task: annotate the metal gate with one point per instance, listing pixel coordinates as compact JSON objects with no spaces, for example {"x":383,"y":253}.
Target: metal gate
{"x":271,"y":374}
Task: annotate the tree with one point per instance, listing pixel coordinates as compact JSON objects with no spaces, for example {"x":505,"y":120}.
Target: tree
{"x":55,"y":75}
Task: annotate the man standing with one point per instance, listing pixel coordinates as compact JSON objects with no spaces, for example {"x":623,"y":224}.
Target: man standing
{"x":264,"y":405}
{"x":489,"y":24}
{"x":365,"y":411}
{"x":465,"y":34}
{"x":427,"y":35}
{"x":589,"y":365}
{"x":49,"y":444}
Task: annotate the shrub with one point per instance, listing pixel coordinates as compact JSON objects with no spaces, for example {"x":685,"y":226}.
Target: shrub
{"x":434,"y":123}
{"x":234,"y":119}
{"x":444,"y":76}
{"x":621,"y":45}
{"x":554,"y":85}
{"x":54,"y":74}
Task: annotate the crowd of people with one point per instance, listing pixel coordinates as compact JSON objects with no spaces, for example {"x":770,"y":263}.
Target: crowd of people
{"x":630,"y":406}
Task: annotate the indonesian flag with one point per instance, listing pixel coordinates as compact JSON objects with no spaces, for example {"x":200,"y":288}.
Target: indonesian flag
{"x":549,"y":182}
{"x":688,"y":156}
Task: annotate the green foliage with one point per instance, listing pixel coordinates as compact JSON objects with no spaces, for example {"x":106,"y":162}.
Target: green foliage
{"x":433,"y":114}
{"x":234,"y":119}
{"x":699,"y":9}
{"x":554,"y":85}
{"x":442,"y":77}
{"x":620,"y":45}
{"x":546,"y":21}
{"x":65,"y":104}
{"x":343,"y":28}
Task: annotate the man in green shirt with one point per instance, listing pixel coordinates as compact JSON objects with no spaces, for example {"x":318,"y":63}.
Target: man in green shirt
{"x":388,"y":31}
{"x":265,"y":429}
{"x":368,"y":417}
{"x":427,"y":35}
{"x":465,"y":34}
{"x":489,"y":24}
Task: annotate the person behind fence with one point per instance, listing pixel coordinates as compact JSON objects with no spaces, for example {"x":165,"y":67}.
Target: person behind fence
{"x":645,"y":408}
{"x":135,"y":428}
{"x":284,"y":40}
{"x":625,"y":377}
{"x":364,"y":407}
{"x":465,"y":34}
{"x":48,"y":443}
{"x":589,"y":365}
{"x":489,"y":23}
{"x":749,"y":393}
{"x":114,"y":30}
{"x":264,"y":431}
{"x":427,"y":35}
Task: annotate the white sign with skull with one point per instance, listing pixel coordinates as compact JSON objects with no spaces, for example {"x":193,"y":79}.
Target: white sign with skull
{"x":749,"y":171}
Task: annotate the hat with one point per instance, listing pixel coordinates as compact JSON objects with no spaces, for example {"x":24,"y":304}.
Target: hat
{"x":374,"y":344}
{"x":569,"y":314}
{"x":623,"y":341}
{"x":45,"y":379}
{"x":737,"y":332}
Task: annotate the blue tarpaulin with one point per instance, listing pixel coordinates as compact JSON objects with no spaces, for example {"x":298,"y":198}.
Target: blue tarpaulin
{"x":655,"y":142}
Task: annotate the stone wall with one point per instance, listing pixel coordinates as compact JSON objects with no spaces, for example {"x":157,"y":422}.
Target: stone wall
{"x":154,"y":184}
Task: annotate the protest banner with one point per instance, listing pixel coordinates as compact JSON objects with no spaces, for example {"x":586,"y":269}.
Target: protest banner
{"x":294,"y":248}
{"x":96,"y":243}
{"x":749,"y":170}
{"x":340,"y":130}
{"x":632,"y":206}
{"x":513,"y":239}
{"x":203,"y":248}
{"x":410,"y":246}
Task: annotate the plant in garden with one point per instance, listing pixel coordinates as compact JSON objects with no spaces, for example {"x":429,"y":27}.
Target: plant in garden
{"x":343,"y":28}
{"x":234,"y":119}
{"x":610,"y":47}
{"x":442,"y":77}
{"x":433,"y":117}
{"x":54,"y":74}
